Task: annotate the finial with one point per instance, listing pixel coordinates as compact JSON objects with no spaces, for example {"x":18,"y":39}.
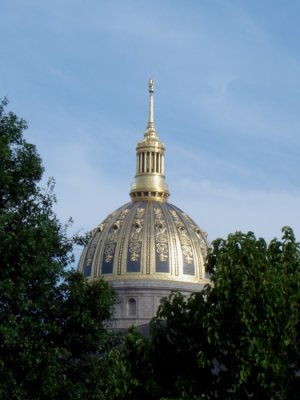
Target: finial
{"x":151,"y":111}
{"x":151,"y":85}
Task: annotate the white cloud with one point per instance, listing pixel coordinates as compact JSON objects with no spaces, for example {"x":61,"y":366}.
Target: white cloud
{"x":223,"y":209}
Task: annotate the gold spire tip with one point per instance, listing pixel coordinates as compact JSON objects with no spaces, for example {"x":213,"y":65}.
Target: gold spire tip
{"x":151,"y":111}
{"x":151,"y":85}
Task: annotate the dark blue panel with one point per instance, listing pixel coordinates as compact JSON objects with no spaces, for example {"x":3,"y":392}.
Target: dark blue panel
{"x":189,"y":269}
{"x":107,"y":268}
{"x":162,"y":266}
{"x":87,"y":270}
{"x":133,"y":266}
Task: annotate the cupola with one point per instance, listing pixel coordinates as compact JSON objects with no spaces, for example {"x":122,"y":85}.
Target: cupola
{"x":150,"y":162}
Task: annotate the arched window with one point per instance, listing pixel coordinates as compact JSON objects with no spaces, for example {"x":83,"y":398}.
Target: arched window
{"x":131,"y":308}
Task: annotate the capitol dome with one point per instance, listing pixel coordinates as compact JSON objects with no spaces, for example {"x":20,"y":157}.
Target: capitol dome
{"x":148,"y":247}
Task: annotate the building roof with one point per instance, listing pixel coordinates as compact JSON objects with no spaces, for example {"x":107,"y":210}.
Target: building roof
{"x":148,"y":238}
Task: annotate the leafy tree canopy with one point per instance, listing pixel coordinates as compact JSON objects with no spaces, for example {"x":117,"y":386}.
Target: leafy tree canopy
{"x":238,"y":339}
{"x":52,"y":321}
{"x":252,"y":321}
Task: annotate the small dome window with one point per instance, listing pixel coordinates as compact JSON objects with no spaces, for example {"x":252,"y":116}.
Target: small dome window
{"x":198,"y":232}
{"x":116,"y":226}
{"x":159,"y":225}
{"x":131,"y":307}
{"x":137,"y":225}
{"x":101,"y":228}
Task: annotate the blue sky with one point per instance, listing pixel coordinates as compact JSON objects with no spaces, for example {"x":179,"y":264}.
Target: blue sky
{"x":227,"y":103}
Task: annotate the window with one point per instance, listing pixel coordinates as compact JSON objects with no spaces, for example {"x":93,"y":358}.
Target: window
{"x":131,"y":307}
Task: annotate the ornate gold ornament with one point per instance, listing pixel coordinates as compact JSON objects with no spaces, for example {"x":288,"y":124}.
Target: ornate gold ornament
{"x":135,"y":243}
{"x":112,"y":237}
{"x":161,"y":238}
{"x":202,"y":235}
{"x":183,"y":238}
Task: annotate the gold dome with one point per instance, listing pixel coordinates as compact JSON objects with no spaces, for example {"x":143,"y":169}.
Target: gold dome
{"x":148,"y":247}
{"x":146,"y":240}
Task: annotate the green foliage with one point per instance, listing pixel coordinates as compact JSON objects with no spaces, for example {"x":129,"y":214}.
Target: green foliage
{"x":253,"y":314}
{"x":178,"y":337}
{"x":20,"y":167}
{"x":239,"y":338}
{"x":53,"y":333}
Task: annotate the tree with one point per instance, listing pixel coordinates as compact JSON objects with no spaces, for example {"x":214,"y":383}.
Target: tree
{"x":52,"y":322}
{"x":252,"y":320}
{"x":178,"y":338}
{"x":236,"y":340}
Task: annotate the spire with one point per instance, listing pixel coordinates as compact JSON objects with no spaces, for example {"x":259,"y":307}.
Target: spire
{"x":151,"y":109}
{"x":151,"y":132}
{"x":150,"y":163}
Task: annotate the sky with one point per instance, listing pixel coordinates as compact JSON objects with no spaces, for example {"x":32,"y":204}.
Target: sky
{"x":226,"y":103}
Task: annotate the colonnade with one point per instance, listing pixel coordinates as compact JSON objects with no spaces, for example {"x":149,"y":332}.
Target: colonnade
{"x":150,"y":161}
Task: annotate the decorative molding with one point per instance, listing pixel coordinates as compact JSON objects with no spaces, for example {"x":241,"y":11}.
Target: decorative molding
{"x":112,"y":236}
{"x":161,"y":238}
{"x":135,"y":243}
{"x":183,"y":238}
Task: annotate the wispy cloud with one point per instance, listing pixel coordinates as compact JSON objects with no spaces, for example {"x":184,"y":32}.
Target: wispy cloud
{"x":226,"y":103}
{"x":223,"y":209}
